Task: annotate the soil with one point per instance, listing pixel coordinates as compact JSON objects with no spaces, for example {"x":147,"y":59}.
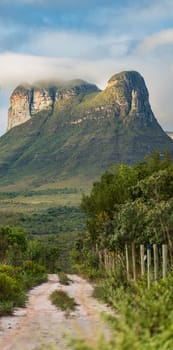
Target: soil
{"x":42,"y":326}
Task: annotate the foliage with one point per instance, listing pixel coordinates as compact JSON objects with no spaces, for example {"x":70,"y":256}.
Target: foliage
{"x":31,"y":193}
{"x":11,"y":294}
{"x":84,"y":258}
{"x":52,"y":251}
{"x":142,"y":318}
{"x":44,"y":252}
{"x":17,"y":273}
{"x":64,"y":279}
{"x":131,"y":203}
{"x":9,"y":289}
{"x":55,"y":220}
{"x":15,"y":281}
{"x":6,"y":308}
{"x":63,"y":301}
{"x":13,"y":244}
{"x":32,"y":274}
{"x":126,"y":205}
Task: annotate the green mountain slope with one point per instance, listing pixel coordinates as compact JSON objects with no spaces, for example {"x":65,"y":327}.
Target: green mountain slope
{"x":81,"y":135}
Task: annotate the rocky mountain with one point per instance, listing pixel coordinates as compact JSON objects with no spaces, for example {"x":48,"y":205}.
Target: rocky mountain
{"x":26,"y":101}
{"x":73,"y":131}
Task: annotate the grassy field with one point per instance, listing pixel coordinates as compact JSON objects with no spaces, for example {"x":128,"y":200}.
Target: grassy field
{"x":44,"y":210}
{"x":36,"y":203}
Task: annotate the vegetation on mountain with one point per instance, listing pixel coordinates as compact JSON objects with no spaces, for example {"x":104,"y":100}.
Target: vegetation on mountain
{"x":83,"y":133}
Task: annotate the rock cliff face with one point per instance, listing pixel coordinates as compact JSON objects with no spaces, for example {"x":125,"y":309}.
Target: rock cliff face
{"x":131,"y":94}
{"x":26,"y":101}
{"x":19,"y":111}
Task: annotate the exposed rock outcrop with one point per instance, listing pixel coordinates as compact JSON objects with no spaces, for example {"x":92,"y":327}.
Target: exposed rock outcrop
{"x":26,"y":101}
{"x":42,"y":99}
{"x":131,"y":94}
{"x":20,"y":102}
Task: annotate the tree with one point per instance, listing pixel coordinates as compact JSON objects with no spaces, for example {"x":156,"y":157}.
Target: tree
{"x":13,"y":244}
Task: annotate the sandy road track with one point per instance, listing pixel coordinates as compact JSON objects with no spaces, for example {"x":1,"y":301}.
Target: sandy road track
{"x":42,"y":325}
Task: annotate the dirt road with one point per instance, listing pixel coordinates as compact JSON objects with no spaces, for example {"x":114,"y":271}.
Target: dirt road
{"x":42,"y":326}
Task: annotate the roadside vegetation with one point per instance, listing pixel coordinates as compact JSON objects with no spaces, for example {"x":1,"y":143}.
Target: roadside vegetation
{"x":23,"y":265}
{"x":25,"y":262}
{"x":130,"y":204}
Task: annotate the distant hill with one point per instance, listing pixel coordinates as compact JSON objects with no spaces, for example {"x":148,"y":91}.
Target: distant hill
{"x":70,"y":132}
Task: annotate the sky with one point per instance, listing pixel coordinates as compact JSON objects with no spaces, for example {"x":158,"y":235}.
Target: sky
{"x":87,"y":39}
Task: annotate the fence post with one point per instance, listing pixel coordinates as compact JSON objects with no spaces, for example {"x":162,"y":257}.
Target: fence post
{"x":134,"y":262}
{"x":142,"y":260}
{"x":165,"y":260}
{"x":148,"y":266}
{"x":105,"y":259}
{"x":156,"y":263}
{"x":127,"y":262}
{"x":100,"y":259}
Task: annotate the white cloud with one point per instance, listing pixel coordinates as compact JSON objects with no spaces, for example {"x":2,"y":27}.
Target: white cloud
{"x":156,"y":40}
{"x":73,"y":44}
{"x":17,"y":68}
{"x":148,"y":10}
{"x":3,"y":119}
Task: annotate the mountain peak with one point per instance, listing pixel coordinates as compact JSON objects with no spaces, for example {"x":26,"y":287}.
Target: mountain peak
{"x":130,"y":77}
{"x":80,"y":130}
{"x":131,"y":94}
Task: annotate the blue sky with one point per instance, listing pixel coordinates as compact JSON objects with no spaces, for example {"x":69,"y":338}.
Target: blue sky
{"x":45,"y":39}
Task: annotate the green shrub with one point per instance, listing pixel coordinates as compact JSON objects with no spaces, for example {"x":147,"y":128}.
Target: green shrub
{"x":8,"y":287}
{"x":6,"y":308}
{"x":33,"y":268}
{"x":10,"y":270}
{"x":10,"y":290}
{"x":32,"y":274}
{"x":143,"y":319}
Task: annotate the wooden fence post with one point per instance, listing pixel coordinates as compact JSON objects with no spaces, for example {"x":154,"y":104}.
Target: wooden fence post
{"x":156,"y":262}
{"x":127,"y":262}
{"x":165,"y":260}
{"x":134,"y":262}
{"x":100,"y":259}
{"x":142,"y":260}
{"x":148,"y":266}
